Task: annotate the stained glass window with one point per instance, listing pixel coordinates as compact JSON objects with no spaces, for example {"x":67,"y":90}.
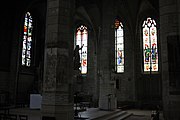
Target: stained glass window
{"x":150,"y":47}
{"x":81,"y":40}
{"x":27,"y":40}
{"x":119,"y":47}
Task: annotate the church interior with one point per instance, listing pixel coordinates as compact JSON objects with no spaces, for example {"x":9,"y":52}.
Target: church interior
{"x":118,"y":54}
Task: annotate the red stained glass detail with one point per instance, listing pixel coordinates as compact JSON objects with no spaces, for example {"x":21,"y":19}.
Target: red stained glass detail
{"x":84,"y":62}
{"x":25,"y":28}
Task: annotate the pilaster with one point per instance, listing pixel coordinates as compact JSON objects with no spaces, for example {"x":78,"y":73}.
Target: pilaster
{"x":169,"y":37}
{"x":57,"y":100}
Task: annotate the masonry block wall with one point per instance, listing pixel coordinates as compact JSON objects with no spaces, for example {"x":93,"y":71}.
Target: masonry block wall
{"x":57,"y":86}
{"x":169,"y":18}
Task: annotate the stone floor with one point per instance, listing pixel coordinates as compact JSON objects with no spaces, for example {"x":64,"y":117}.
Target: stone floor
{"x":34,"y":114}
{"x":142,"y":114}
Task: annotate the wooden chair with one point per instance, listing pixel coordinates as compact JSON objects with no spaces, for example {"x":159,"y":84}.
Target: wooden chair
{"x":11,"y":117}
{"x":23,"y":117}
{"x":48,"y":118}
{"x":2,"y":116}
{"x":5,"y":109}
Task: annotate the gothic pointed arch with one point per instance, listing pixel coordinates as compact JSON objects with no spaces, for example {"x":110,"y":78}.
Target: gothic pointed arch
{"x":119,"y":46}
{"x":81,"y":43}
{"x":150,"y":45}
{"x":27,"y":40}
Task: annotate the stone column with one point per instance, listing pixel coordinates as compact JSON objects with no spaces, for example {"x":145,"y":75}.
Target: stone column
{"x":169,"y":37}
{"x":57,"y":98}
{"x":107,"y":97}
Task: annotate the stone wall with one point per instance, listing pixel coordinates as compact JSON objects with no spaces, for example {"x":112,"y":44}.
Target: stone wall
{"x":57,"y":87}
{"x":169,"y":24}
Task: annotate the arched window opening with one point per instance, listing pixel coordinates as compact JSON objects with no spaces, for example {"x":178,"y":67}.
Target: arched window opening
{"x":27,"y":40}
{"x":150,"y":47}
{"x":82,"y":41}
{"x":119,"y":47}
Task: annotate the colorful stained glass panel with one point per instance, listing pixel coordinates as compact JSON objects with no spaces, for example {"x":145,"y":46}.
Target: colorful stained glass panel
{"x":150,"y":47}
{"x":119,"y":48}
{"x":27,"y":39}
{"x":81,"y":40}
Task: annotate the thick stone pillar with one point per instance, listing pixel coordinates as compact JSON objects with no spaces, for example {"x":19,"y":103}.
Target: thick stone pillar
{"x":169,"y":37}
{"x":57,"y":98}
{"x":107,"y":97}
